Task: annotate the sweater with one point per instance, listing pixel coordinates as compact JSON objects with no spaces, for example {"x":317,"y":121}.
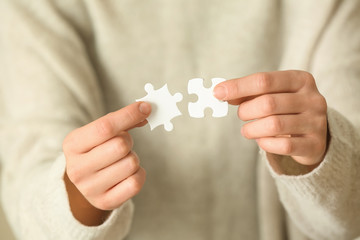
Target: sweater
{"x":65,"y":63}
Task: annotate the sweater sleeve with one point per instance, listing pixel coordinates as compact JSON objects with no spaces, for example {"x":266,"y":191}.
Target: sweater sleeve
{"x":324,"y":203}
{"x":48,"y":88}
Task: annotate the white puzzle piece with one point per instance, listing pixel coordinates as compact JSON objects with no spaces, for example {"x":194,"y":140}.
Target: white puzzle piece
{"x":164,"y":106}
{"x":206,"y":99}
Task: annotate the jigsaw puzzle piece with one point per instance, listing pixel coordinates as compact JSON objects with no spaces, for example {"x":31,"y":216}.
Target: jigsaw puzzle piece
{"x":164,"y":106}
{"x":221,"y":106}
{"x":205,"y":99}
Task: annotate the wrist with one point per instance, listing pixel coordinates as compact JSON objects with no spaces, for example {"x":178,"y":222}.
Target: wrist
{"x":80,"y":207}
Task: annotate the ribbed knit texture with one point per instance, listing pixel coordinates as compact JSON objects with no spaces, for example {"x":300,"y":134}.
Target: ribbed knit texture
{"x":335,"y":199}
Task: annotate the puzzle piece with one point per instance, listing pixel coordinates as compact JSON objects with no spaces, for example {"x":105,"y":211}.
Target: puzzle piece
{"x":163,"y":106}
{"x":206,"y":99}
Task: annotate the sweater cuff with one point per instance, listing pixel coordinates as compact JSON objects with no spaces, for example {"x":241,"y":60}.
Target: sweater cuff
{"x":332,"y":173}
{"x":54,"y":208}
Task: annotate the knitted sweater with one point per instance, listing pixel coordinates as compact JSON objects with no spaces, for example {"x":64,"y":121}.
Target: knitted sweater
{"x":65,"y":63}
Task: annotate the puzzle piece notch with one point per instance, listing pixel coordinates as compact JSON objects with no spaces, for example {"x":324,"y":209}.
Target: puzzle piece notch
{"x":205,"y":99}
{"x":164,"y":106}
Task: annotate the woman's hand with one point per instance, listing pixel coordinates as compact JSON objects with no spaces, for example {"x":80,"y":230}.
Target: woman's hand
{"x":102,"y":171}
{"x":287,"y":115}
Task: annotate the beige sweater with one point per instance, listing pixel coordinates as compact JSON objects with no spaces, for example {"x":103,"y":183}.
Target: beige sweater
{"x":65,"y":63}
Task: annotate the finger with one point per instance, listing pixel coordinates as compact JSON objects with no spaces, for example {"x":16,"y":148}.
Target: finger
{"x":123,"y":191}
{"x":260,"y":83}
{"x":277,"y":125}
{"x":108,"y":177}
{"x":97,"y":132}
{"x":272,"y":104}
{"x":143,"y":123}
{"x":240,"y":100}
{"x":107,"y":153}
{"x":302,"y":149}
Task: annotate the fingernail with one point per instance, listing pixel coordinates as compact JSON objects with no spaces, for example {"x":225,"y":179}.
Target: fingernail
{"x":220,"y":92}
{"x":145,"y":108}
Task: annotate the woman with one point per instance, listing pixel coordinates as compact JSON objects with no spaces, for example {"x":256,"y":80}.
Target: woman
{"x":70,"y":170}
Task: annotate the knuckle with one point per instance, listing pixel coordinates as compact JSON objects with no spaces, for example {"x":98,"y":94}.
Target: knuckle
{"x":129,"y":139}
{"x":245,"y":132}
{"x":133,"y":163}
{"x":307,"y":75}
{"x":269,"y":105}
{"x":315,"y":152}
{"x":263,"y":81}
{"x":321,"y":123}
{"x":287,"y":147}
{"x":104,"y":202}
{"x":75,"y":174}
{"x":320,"y":147}
{"x":322,"y":104}
{"x":104,"y":126}
{"x":275,"y":124}
{"x":242,"y":112}
{"x":86,"y":189}
{"x":324,"y":122}
{"x":309,"y":78}
{"x":134,"y":185}
{"x":120,"y":147}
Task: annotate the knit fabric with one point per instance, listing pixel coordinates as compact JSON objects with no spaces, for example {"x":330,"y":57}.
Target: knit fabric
{"x":65,"y":63}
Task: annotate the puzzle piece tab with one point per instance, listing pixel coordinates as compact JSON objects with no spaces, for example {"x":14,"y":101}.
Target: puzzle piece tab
{"x":164,"y":106}
{"x":206,"y":99}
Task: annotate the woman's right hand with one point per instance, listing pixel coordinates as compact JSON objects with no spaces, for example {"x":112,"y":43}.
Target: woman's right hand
{"x":102,"y":171}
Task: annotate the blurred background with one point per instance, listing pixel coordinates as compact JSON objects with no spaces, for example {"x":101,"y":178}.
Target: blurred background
{"x":5,"y":232}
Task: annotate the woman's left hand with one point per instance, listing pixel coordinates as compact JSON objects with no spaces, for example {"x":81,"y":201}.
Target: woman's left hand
{"x":287,"y":115}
